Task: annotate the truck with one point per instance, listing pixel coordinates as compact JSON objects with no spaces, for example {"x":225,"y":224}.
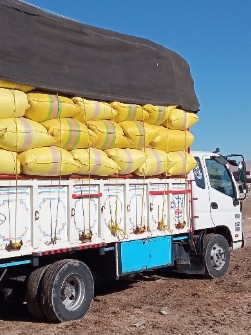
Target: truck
{"x":60,"y":235}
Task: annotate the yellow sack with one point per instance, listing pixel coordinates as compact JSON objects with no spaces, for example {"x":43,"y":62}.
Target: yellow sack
{"x":140,"y":134}
{"x":183,"y":162}
{"x":129,"y":112}
{"x":156,"y":163}
{"x":94,"y":162}
{"x":21,"y":134}
{"x":180,"y":120}
{"x":69,"y":133}
{"x":172,"y":140}
{"x":9,"y":84}
{"x":157,"y":114}
{"x":9,"y":163}
{"x":109,"y":133}
{"x":128,"y":160}
{"x":13,"y":103}
{"x":52,"y":161}
{"x":93,"y":110}
{"x":45,"y":107}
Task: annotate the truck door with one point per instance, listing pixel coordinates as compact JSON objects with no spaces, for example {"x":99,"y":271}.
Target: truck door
{"x":224,"y":208}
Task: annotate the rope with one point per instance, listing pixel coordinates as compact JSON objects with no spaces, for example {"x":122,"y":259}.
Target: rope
{"x":142,"y":227}
{"x":54,"y":234}
{"x":87,"y":236}
{"x":16,"y":150}
{"x":113,"y":224}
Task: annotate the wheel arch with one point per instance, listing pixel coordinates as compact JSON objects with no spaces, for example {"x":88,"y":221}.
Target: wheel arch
{"x":221,"y":230}
{"x":224,"y":231}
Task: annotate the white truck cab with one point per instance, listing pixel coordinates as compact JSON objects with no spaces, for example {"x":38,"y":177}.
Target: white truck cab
{"x":216,"y":212}
{"x":216,"y":200}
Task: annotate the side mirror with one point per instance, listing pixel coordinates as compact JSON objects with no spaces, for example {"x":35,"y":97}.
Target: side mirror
{"x":243,"y":188}
{"x":242,"y":173}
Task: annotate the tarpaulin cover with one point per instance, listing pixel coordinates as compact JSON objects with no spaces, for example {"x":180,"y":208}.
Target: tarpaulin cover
{"x":57,"y":54}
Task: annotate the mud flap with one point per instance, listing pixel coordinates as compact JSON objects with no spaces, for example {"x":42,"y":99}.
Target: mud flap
{"x":196,"y":265}
{"x":186,"y":261}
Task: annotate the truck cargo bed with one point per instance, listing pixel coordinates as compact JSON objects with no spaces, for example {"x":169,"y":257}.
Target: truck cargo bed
{"x":43,"y":216}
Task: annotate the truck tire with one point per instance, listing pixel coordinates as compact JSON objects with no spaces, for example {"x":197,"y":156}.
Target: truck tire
{"x":66,"y":291}
{"x":216,"y":255}
{"x":32,"y":293}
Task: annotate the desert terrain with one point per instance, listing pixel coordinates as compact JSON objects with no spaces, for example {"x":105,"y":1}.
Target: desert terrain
{"x":158,"y":303}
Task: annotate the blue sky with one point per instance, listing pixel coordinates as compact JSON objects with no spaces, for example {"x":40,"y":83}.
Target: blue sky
{"x":214,"y":36}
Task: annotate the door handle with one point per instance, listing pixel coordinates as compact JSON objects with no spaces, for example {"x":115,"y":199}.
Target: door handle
{"x":214,"y":205}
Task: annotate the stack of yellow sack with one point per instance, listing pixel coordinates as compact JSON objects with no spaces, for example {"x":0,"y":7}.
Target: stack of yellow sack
{"x":13,"y":105}
{"x":159,"y":138}
{"x":51,"y":135}
{"x":26,"y":145}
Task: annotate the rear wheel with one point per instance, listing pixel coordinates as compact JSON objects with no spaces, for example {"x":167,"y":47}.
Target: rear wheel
{"x":66,"y":291}
{"x":216,"y":255}
{"x":32,"y":294}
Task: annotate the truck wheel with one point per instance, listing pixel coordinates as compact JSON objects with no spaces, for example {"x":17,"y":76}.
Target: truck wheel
{"x":216,"y":255}
{"x":32,"y":293}
{"x":66,"y":291}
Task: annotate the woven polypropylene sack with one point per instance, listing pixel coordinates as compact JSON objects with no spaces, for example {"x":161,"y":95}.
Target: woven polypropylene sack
{"x":21,"y":134}
{"x":183,"y":162}
{"x":93,"y":110}
{"x":172,"y":140}
{"x":157,"y":114}
{"x":180,"y":119}
{"x":13,"y":103}
{"x":139,"y":133}
{"x":156,"y":163}
{"x":110,"y":135}
{"x":9,"y":162}
{"x":15,"y":86}
{"x":129,"y":112}
{"x":128,"y":160}
{"x":45,"y":107}
{"x":94,"y":162}
{"x":51,"y":161}
{"x":70,"y":134}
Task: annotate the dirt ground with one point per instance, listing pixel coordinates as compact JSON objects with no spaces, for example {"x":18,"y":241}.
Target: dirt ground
{"x":159,"y":303}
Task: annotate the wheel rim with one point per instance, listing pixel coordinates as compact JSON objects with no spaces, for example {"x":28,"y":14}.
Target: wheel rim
{"x":72,"y":292}
{"x":218,"y":256}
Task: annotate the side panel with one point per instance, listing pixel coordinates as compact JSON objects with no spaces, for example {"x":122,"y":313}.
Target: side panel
{"x":15,"y":216}
{"x":48,"y":215}
{"x":85,"y":211}
{"x":145,"y":254}
{"x":169,"y":207}
{"x":53,"y":215}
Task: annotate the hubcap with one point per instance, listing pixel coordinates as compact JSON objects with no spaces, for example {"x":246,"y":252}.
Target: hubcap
{"x":72,"y":292}
{"x":218,"y":256}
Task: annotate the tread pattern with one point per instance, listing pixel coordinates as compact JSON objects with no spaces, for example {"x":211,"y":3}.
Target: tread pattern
{"x":32,"y":293}
{"x":50,"y":291}
{"x":47,"y":291}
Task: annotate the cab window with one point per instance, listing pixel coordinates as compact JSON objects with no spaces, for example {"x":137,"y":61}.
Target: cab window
{"x":219,"y":177}
{"x":198,"y":174}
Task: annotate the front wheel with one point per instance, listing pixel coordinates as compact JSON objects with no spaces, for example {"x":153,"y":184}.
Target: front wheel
{"x":216,"y":255}
{"x":66,"y":291}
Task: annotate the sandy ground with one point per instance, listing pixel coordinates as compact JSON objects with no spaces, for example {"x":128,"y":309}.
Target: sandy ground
{"x":159,"y":303}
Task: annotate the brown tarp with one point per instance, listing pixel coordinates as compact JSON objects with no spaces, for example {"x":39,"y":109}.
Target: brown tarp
{"x":60,"y":55}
